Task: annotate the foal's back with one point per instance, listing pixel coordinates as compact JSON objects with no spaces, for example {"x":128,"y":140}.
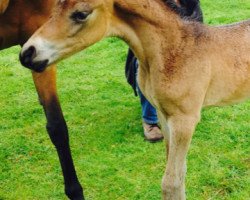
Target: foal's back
{"x":225,"y":51}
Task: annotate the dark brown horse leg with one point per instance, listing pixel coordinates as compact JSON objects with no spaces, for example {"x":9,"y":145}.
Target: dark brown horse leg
{"x":56,"y":126}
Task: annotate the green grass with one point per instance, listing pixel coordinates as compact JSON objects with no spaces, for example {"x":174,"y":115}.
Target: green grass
{"x":112,"y":159}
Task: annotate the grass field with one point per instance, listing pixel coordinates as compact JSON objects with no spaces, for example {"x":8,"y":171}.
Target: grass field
{"x":112,"y":159}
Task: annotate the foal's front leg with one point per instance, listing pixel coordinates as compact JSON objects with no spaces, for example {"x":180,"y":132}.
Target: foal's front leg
{"x":56,"y":126}
{"x":181,"y":128}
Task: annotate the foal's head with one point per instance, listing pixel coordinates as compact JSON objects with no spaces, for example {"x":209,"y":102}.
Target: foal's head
{"x":74,"y":25}
{"x":77,"y":24}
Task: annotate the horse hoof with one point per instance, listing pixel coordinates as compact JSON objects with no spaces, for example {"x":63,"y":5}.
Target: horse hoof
{"x":75,"y":192}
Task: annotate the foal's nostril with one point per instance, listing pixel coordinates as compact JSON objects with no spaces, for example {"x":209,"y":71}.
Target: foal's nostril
{"x":27,"y":56}
{"x":27,"y":60}
{"x":30,"y":52}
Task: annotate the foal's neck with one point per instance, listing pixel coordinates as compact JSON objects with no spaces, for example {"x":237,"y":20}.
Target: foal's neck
{"x":149,"y":27}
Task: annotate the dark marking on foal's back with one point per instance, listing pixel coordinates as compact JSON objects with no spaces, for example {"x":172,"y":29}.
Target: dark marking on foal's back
{"x":198,"y":31}
{"x":145,"y":6}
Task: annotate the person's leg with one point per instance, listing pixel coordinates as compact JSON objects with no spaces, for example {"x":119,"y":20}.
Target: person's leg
{"x":151,"y":129}
{"x":149,"y":114}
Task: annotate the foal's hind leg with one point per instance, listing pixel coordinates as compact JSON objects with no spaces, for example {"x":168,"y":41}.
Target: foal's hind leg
{"x":56,"y":126}
{"x":181,"y":129}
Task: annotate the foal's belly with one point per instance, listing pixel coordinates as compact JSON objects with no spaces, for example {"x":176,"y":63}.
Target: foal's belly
{"x":228,"y":94}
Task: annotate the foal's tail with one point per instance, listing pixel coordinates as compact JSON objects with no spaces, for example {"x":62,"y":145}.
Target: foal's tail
{"x":188,"y":9}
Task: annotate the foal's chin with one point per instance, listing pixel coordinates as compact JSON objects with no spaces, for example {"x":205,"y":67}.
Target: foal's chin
{"x":37,"y":66}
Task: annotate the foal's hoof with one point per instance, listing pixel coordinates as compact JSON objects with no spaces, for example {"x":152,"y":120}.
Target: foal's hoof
{"x":75,"y":192}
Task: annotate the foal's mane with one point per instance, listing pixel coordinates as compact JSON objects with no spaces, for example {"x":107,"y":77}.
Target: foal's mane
{"x":188,"y":9}
{"x":140,"y":9}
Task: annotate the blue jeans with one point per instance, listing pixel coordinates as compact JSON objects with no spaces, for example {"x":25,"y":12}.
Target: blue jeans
{"x":149,"y":114}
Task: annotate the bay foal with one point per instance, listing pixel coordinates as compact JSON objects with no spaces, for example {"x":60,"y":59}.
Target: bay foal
{"x":183,"y":65}
{"x":18,"y":21}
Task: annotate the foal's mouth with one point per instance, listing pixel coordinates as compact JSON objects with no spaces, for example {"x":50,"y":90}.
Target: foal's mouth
{"x":39,"y":66}
{"x":27,"y":60}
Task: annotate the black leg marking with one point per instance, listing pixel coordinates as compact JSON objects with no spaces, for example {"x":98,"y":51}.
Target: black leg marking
{"x":58,"y":132}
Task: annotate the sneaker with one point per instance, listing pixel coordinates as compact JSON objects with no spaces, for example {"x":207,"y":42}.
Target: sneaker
{"x":152,"y":132}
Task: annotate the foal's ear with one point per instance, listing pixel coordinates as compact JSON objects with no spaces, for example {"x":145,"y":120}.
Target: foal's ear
{"x":3,"y":5}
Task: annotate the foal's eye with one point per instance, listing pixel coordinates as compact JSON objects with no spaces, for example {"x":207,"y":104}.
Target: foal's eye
{"x":79,"y":17}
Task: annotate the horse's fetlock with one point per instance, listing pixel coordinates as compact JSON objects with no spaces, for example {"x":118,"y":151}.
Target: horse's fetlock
{"x":171,"y":185}
{"x":74,"y":192}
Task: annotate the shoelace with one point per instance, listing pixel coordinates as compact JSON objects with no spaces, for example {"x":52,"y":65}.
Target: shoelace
{"x":152,"y":126}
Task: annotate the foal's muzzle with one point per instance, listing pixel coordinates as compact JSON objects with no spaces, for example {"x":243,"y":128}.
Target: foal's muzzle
{"x":27,"y":60}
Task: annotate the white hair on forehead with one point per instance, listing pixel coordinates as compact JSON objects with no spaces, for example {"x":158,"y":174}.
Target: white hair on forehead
{"x":61,"y":1}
